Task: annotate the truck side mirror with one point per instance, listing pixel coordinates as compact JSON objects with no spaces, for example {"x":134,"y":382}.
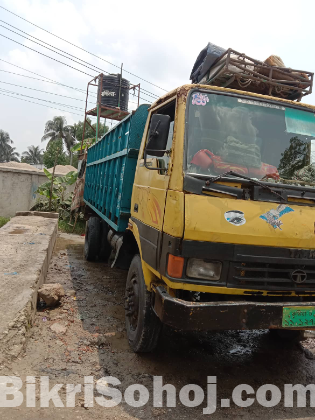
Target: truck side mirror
{"x":158,"y":134}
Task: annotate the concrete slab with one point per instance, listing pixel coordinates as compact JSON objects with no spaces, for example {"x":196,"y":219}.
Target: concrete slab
{"x":26,"y":246}
{"x":38,"y":213}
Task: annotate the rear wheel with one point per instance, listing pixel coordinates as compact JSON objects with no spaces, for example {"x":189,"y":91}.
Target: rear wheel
{"x":105,"y":248}
{"x":92,"y":239}
{"x":142,"y":324}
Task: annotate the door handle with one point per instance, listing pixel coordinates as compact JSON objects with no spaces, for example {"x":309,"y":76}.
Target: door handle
{"x":135,"y":208}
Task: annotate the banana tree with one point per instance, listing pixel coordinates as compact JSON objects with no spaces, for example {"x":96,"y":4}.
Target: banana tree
{"x":55,"y":188}
{"x":86,"y":144}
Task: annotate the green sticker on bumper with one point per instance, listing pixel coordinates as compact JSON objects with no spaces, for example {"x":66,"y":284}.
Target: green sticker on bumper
{"x":298,"y":317}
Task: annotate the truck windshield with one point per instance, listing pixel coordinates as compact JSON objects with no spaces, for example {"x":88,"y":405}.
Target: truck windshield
{"x":261,"y":140}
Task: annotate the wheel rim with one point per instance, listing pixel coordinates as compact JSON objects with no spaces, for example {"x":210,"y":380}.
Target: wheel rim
{"x":132,"y":303}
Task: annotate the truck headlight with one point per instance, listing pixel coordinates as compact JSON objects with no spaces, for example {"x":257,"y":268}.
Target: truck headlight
{"x":203,"y":269}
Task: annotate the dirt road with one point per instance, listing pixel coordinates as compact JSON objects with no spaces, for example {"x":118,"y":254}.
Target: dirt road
{"x":85,"y":336}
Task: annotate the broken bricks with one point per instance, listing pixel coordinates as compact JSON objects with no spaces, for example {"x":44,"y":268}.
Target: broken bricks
{"x":51,"y":293}
{"x":58,"y":328}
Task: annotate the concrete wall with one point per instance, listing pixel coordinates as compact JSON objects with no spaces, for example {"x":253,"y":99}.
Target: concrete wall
{"x":26,"y":256}
{"x":17,"y":190}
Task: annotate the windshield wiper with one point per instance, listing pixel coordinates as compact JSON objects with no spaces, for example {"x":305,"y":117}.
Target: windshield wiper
{"x":253,"y":181}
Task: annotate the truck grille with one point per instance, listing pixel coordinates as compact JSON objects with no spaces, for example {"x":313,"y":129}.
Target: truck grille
{"x":270,"y":276}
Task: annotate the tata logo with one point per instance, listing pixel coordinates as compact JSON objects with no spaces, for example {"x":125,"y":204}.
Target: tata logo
{"x":298,"y":276}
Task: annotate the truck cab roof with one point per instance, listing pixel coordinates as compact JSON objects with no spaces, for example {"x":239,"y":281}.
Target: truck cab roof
{"x":184,"y":89}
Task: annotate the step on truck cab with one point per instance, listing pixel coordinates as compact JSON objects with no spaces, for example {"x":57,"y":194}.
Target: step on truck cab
{"x":207,"y":198}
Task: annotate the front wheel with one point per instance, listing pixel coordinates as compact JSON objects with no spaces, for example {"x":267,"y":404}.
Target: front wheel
{"x":142,"y":324}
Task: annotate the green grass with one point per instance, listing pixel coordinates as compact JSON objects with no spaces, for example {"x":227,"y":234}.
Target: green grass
{"x":64,"y":226}
{"x":3,"y":221}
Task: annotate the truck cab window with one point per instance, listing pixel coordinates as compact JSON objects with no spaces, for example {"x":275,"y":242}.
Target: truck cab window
{"x":163,"y":162}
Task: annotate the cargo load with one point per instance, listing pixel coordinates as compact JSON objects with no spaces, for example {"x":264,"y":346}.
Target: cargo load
{"x":229,"y":68}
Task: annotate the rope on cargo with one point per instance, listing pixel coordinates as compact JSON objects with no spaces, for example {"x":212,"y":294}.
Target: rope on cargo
{"x":244,"y":84}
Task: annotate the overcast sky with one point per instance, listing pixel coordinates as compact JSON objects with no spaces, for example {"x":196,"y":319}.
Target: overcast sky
{"x":157,"y":41}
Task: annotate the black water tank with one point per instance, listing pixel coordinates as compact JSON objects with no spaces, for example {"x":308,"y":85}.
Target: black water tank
{"x":110,"y":91}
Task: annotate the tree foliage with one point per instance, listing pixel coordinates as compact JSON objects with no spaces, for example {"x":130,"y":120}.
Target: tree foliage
{"x":56,"y":187}
{"x":33,"y":155}
{"x":5,"y":139}
{"x":86,"y":143}
{"x":74,"y":161}
{"x":54,"y":148}
{"x":9,"y":155}
{"x":71,"y":136}
{"x":294,"y":158}
{"x":7,"y":152}
{"x":57,"y":129}
{"x":89,"y":132}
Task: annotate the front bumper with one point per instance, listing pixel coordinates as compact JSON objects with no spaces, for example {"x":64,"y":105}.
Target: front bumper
{"x":206,"y":316}
{"x":248,"y":267}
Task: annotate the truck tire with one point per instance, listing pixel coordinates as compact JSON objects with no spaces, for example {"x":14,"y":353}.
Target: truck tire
{"x":105,"y":248}
{"x":92,"y":239}
{"x":142,"y":324}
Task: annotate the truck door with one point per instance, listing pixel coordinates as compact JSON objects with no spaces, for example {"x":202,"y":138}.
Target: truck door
{"x":149,"y":194}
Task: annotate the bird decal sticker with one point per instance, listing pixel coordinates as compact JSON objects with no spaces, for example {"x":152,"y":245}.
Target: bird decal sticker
{"x":273,"y":216}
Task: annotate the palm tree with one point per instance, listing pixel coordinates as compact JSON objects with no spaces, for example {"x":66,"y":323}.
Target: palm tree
{"x":9,"y":154}
{"x":57,"y":128}
{"x":5,"y":143}
{"x":33,"y":155}
{"x":73,"y":131}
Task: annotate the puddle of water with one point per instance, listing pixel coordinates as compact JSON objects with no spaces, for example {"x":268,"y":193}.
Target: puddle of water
{"x":64,"y":244}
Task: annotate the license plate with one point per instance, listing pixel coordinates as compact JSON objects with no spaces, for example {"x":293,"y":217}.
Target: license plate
{"x":298,"y":316}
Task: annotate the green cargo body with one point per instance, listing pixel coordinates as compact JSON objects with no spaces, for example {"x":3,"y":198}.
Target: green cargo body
{"x":110,"y":171}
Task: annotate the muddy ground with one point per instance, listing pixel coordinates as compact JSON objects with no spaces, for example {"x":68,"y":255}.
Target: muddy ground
{"x":89,"y":339}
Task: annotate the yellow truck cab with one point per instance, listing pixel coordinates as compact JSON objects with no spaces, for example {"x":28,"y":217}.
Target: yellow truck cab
{"x":221,"y":233}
